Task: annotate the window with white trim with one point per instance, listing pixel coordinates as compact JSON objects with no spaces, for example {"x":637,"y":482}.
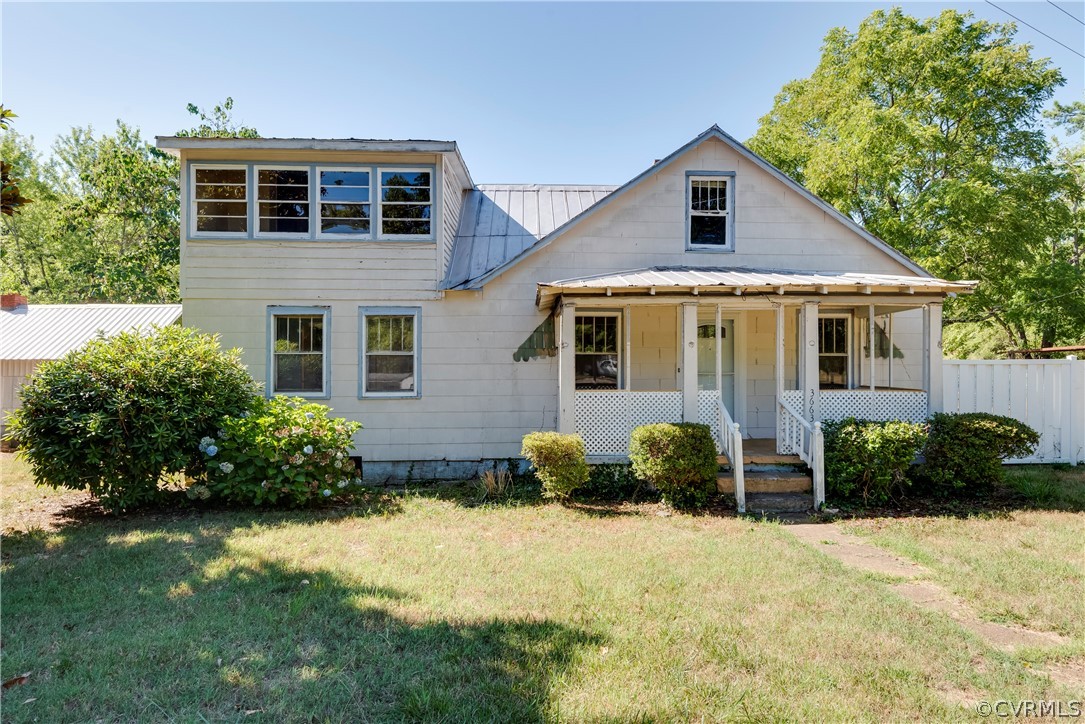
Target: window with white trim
{"x":834,"y":352}
{"x":406,"y":202}
{"x":220,"y":199}
{"x":283,"y":201}
{"x":299,"y":354}
{"x":709,"y":212}
{"x":598,"y":345}
{"x":390,"y":347}
{"x":345,"y":208}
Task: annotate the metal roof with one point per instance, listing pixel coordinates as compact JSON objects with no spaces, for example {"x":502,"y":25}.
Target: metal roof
{"x":48,"y":331}
{"x":499,"y":222}
{"x":740,"y":280}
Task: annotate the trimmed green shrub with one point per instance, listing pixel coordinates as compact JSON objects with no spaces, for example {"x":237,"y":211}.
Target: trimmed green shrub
{"x":679,"y":459}
{"x":118,"y":414}
{"x":966,"y":450}
{"x":610,"y":481}
{"x":868,"y":460}
{"x":559,"y":462}
{"x":283,"y":451}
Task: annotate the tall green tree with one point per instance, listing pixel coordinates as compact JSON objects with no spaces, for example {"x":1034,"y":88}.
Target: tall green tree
{"x":11,"y":197}
{"x":928,"y":133}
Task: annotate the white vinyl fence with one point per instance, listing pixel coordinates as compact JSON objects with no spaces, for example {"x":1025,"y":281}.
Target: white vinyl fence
{"x":1047,"y":395}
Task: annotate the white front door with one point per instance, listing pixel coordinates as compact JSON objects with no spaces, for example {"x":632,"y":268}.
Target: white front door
{"x":706,"y":359}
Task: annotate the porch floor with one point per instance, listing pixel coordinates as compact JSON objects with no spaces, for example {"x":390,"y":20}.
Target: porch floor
{"x":762,"y":451}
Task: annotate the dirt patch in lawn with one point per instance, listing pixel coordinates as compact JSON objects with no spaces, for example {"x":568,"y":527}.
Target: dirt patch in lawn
{"x":853,"y":551}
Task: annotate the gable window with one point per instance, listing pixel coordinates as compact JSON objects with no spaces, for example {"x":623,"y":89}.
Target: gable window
{"x":406,"y":202}
{"x":389,"y":350}
{"x":709,"y":217}
{"x":597,"y":357}
{"x":283,"y":201}
{"x":299,"y":351}
{"x":834,"y":352}
{"x":344,"y":202}
{"x":220,"y":197}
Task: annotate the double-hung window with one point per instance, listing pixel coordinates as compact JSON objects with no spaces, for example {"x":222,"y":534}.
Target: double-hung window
{"x":283,"y":201}
{"x":406,"y":202}
{"x":597,"y":342}
{"x":834,"y":356}
{"x":299,"y":351}
{"x":390,"y":352}
{"x":709,"y":213}
{"x":220,"y":200}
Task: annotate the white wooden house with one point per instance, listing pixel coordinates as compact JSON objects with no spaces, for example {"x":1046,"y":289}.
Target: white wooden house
{"x":452,"y":318}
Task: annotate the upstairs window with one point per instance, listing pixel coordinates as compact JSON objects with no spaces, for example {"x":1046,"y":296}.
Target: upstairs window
{"x":221,"y":199}
{"x":283,"y":196}
{"x":597,"y":344}
{"x":344,"y":202}
{"x":406,"y":202}
{"x":834,"y":355}
{"x":708,"y":212}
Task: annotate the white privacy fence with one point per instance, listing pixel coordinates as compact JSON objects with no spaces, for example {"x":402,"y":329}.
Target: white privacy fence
{"x":1046,"y":395}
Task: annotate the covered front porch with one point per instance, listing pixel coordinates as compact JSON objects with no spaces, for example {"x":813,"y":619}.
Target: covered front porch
{"x":754,"y":355}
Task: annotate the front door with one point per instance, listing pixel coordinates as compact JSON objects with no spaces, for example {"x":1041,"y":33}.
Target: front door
{"x":706,"y":359}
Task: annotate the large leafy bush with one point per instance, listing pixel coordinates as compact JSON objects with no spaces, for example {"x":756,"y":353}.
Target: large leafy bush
{"x":118,"y":414}
{"x":559,"y":462}
{"x":679,"y":459}
{"x":610,"y":481}
{"x":868,"y":460}
{"x":283,"y":451}
{"x":965,"y":451}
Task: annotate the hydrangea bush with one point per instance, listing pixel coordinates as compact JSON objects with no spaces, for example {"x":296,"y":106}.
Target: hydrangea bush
{"x":283,"y":451}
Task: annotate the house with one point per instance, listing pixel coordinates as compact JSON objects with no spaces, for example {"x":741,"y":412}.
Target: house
{"x":33,"y":333}
{"x":452,"y":318}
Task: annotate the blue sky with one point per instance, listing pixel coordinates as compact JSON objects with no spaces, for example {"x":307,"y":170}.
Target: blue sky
{"x":544,"y":93}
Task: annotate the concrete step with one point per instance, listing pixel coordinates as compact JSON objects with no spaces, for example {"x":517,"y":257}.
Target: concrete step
{"x":769,"y":503}
{"x":786,"y":481}
{"x":763,"y":458}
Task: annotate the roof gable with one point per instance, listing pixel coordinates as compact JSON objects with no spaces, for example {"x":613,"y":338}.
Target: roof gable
{"x":502,"y":263}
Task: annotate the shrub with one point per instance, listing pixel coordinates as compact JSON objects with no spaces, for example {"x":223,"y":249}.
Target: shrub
{"x":679,"y":459}
{"x":610,"y":481}
{"x":966,"y":450}
{"x":118,"y":414}
{"x":283,"y":451}
{"x":868,"y":460}
{"x":559,"y":462}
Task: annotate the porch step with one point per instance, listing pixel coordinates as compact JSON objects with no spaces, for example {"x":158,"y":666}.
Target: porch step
{"x":783,"y":481}
{"x":760,"y":458}
{"x":771,"y":503}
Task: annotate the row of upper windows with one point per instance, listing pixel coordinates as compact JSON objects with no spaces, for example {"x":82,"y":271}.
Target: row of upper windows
{"x":321,"y":202}
{"x":299,"y":358}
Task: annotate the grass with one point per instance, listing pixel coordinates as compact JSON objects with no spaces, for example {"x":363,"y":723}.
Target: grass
{"x":1024,"y":566}
{"x":419,"y":607}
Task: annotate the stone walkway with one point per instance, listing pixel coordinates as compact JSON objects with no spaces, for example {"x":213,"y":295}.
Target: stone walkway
{"x":855,"y":552}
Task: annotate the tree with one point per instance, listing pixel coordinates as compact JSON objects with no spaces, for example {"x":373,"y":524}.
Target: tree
{"x":11,"y":199}
{"x":927,"y":132}
{"x":218,"y":123}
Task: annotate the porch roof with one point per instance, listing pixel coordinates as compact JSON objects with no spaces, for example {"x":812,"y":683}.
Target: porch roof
{"x":741,"y":281}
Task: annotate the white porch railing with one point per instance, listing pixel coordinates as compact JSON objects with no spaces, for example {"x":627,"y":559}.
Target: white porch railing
{"x":605,"y":418}
{"x":730,"y":443}
{"x":798,"y":436}
{"x":866,"y":404}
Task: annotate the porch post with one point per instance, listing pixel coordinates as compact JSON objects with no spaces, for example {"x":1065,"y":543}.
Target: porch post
{"x":689,"y":362}
{"x":809,"y":360}
{"x":567,"y":369}
{"x":934,"y":358}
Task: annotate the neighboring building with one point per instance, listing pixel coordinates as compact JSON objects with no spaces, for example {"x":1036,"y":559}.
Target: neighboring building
{"x":33,"y":333}
{"x":451,"y":319}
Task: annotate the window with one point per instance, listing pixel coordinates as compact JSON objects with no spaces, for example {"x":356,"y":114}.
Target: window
{"x":344,"y":202}
{"x":709,"y":219}
{"x":406,"y":204}
{"x":220,"y":199}
{"x":834,"y":357}
{"x":389,"y":341}
{"x":299,"y":351}
{"x":597,"y":357}
{"x":283,"y":201}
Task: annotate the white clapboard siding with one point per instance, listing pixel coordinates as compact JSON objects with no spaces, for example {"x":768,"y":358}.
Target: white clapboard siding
{"x":1046,"y":395}
{"x":13,"y":374}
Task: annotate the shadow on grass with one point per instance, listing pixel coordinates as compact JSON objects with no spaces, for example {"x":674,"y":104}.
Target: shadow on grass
{"x":131,"y":622}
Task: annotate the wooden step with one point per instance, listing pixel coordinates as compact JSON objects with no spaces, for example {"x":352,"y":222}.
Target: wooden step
{"x":763,"y":459}
{"x":767,"y":482}
{"x":769,"y":503}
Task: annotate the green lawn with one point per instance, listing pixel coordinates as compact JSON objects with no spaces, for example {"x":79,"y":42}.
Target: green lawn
{"x":420,"y":607}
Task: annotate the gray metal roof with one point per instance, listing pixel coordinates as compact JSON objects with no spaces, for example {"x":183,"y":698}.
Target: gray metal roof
{"x":740,"y":280}
{"x":48,"y":331}
{"x":500,"y":222}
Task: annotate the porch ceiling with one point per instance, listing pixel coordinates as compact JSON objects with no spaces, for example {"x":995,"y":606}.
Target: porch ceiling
{"x":697,"y":281}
